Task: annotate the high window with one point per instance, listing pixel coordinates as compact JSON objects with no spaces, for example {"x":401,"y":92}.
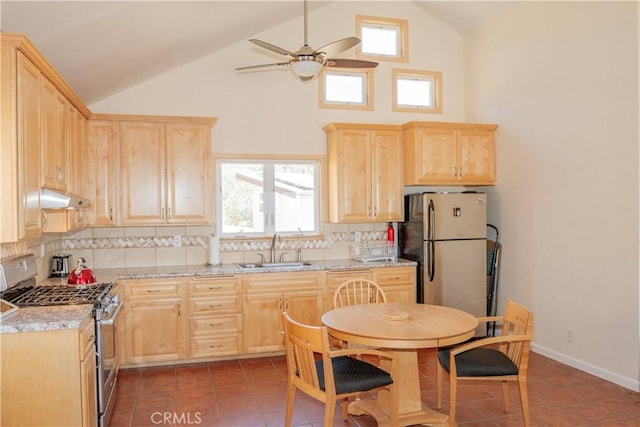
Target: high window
{"x":347,"y":88}
{"x":382,"y":38}
{"x":258,"y":197}
{"x":416,"y":91}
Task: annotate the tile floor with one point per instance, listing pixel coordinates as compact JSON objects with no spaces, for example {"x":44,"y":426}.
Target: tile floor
{"x":251,"y":392}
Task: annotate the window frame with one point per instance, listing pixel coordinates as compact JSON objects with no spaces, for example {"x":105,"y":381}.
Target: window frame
{"x":319,"y":162}
{"x":367,"y":95}
{"x":397,"y":73}
{"x":376,"y":21}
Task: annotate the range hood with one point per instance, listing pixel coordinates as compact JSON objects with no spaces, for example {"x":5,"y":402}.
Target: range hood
{"x":54,"y":199}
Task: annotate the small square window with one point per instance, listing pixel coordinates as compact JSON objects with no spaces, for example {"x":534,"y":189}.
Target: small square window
{"x":416,"y":91}
{"x":347,"y":88}
{"x":382,"y":38}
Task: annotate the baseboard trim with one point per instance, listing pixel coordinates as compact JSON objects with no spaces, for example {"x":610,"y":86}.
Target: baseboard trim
{"x":588,"y":368}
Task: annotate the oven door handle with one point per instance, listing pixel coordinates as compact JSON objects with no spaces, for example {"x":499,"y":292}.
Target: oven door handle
{"x":111,"y":319}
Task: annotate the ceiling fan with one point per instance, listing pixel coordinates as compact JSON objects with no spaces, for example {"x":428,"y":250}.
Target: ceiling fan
{"x":306,"y":62}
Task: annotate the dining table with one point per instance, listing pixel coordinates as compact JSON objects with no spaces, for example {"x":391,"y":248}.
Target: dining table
{"x":401,"y":329}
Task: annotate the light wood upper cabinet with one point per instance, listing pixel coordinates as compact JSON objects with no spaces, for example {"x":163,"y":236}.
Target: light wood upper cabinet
{"x":449,"y":154}
{"x":364,"y":164}
{"x":103,"y":171}
{"x":165,"y":172}
{"x":54,"y":142}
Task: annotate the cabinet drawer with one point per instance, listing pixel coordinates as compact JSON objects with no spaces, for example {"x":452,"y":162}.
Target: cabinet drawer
{"x":203,"y":286}
{"x":216,"y":305}
{"x":154,"y":290}
{"x":392,"y":276}
{"x":215,"y":346}
{"x":215,"y":325}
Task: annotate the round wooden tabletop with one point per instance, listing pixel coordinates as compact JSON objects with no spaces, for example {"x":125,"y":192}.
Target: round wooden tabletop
{"x":400,"y":326}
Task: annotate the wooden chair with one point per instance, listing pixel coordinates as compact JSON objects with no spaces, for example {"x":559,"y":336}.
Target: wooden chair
{"x":358,"y":291}
{"x":502,"y":358}
{"x":329,"y":376}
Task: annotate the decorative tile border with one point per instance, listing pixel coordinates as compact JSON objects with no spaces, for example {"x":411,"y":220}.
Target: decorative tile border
{"x":203,"y":241}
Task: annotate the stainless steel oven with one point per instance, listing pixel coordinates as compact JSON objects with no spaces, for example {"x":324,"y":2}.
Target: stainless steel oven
{"x":106,"y":315}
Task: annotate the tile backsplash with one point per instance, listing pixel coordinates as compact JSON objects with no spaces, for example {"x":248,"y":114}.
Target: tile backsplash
{"x":128,"y":247}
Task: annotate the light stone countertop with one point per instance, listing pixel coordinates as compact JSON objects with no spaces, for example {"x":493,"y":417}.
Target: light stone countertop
{"x":30,"y":319}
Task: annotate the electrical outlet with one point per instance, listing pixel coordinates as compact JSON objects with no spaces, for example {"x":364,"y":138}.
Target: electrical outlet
{"x":177,"y":241}
{"x":570,"y":337}
{"x":357,"y":236}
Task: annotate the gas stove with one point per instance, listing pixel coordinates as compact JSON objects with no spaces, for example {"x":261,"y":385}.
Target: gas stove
{"x":34,"y":296}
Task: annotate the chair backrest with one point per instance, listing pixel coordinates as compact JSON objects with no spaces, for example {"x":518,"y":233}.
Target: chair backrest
{"x":518,"y":320}
{"x":358,"y":291}
{"x":304,"y":344}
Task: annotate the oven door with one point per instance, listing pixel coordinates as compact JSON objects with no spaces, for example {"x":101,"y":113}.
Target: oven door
{"x":108,"y":365}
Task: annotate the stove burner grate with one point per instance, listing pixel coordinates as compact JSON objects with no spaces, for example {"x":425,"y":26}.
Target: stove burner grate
{"x":33,"y":296}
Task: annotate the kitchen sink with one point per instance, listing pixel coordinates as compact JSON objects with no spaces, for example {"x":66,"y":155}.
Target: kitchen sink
{"x":283,"y":265}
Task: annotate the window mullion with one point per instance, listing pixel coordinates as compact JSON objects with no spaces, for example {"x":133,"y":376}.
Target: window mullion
{"x":269,"y":199}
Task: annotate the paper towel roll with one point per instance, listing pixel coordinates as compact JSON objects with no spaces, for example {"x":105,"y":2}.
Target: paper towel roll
{"x":214,"y":250}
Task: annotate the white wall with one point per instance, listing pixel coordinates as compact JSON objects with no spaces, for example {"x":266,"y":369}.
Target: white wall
{"x":272,"y":111}
{"x":561,"y":79}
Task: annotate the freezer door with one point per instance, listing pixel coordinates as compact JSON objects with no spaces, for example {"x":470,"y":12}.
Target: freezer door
{"x":459,"y":279}
{"x":456,"y":215}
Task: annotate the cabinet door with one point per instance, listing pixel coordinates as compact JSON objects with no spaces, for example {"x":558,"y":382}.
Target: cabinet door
{"x":102,"y":177}
{"x":398,"y":283}
{"x":142,"y":179}
{"x":155,"y":331}
{"x":54,"y":143}
{"x":304,"y":307}
{"x":188,"y":165}
{"x":336,"y":278}
{"x":353,"y":157}
{"x":262,"y":322}
{"x":434,"y":156}
{"x":88,"y":376}
{"x":386,"y":175}
{"x":29,"y":90}
{"x":476,"y":157}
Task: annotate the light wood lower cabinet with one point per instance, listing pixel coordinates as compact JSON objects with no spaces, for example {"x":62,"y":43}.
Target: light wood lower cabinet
{"x":267,"y":295}
{"x":215,"y":316}
{"x":155,"y":320}
{"x":61,"y":365}
{"x":193,"y":318}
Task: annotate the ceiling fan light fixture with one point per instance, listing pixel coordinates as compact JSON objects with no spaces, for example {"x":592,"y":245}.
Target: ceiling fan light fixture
{"x":306,"y":67}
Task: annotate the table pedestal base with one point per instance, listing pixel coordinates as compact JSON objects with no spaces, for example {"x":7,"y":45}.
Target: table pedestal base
{"x":369,"y":406}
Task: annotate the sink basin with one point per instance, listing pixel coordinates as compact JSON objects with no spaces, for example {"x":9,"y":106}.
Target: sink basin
{"x":273,"y":265}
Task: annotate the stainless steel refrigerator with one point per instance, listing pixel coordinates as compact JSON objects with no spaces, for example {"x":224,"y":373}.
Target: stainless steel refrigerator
{"x":446,"y":234}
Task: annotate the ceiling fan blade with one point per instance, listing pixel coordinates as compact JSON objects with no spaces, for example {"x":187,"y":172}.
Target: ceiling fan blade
{"x":350,"y":63}
{"x":271,"y":47}
{"x":338,"y":46}
{"x":255,"y":67}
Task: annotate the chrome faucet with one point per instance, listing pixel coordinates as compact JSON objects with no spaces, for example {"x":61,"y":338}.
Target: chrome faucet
{"x":273,"y":246}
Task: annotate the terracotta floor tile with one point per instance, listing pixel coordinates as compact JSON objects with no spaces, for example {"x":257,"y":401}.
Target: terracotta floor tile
{"x":252,"y":393}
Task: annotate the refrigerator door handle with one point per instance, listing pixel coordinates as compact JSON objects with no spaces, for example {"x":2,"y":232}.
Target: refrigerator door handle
{"x":431,"y":260}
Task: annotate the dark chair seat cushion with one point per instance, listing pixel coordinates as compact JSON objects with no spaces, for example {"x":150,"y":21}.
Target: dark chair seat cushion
{"x":479,"y":362}
{"x":351,"y":375}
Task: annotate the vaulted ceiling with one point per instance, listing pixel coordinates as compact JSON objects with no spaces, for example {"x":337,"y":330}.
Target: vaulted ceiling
{"x":104,"y":47}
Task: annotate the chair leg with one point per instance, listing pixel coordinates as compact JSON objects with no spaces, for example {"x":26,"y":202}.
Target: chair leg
{"x":524,"y":400}
{"x":345,"y":408}
{"x":329,"y":411}
{"x":453,"y":385}
{"x":439,"y":373}
{"x":291,"y":395}
{"x":505,"y":395}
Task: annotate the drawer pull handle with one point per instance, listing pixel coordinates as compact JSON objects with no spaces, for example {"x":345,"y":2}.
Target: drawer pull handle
{"x":153,"y":291}
{"x":214,"y":287}
{"x":215,"y":324}
{"x":215,"y":346}
{"x":215,"y":305}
